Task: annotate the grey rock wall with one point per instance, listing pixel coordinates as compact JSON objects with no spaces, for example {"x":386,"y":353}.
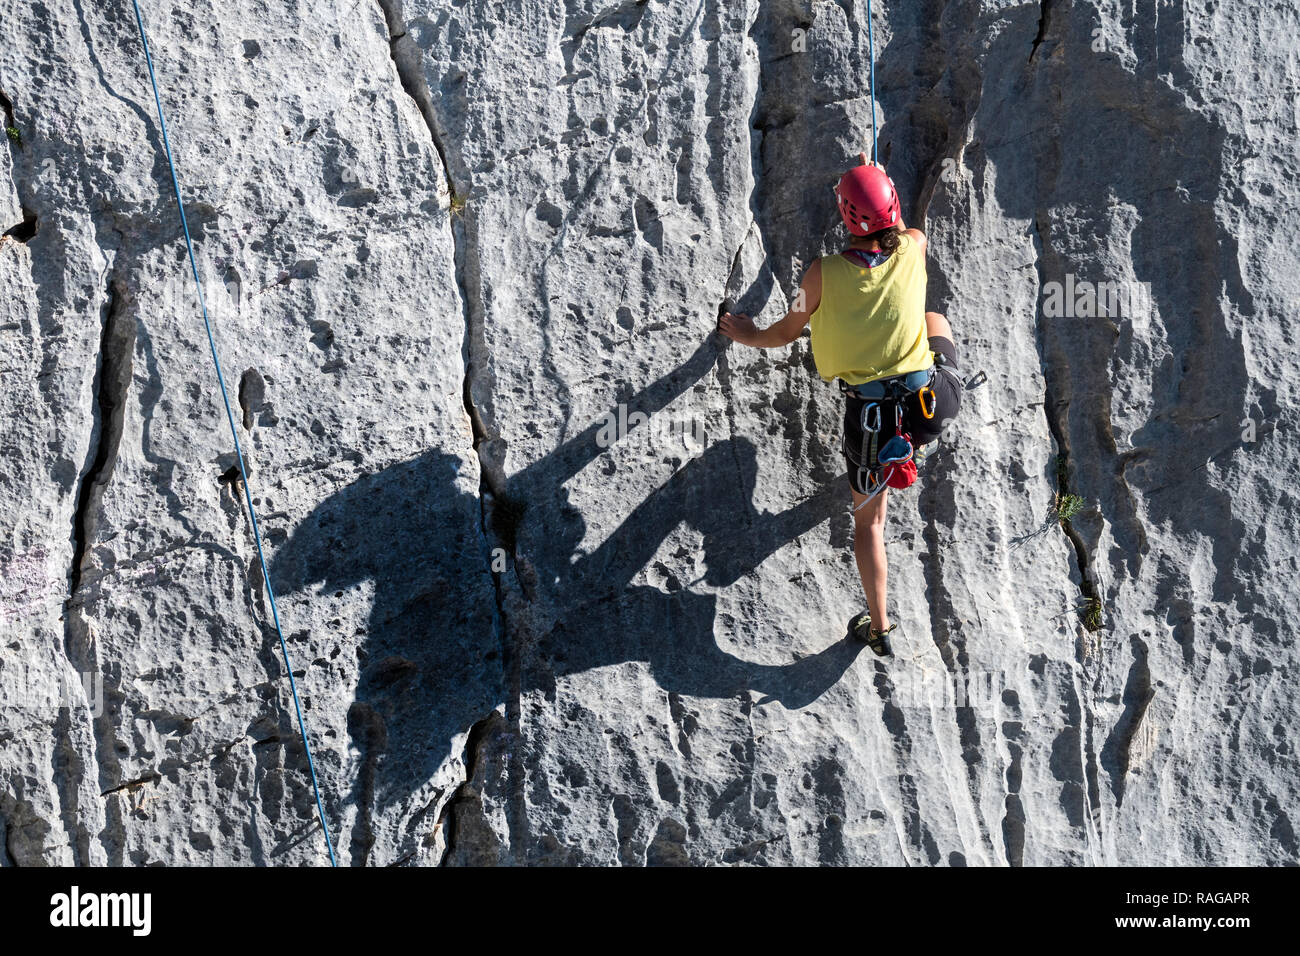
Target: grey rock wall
{"x":443,"y":244}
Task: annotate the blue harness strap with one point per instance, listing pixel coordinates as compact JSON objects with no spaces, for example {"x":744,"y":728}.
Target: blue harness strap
{"x":230,"y":419}
{"x":898,"y":386}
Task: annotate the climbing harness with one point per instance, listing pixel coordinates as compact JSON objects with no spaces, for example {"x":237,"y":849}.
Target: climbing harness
{"x":888,"y":459}
{"x":230,"y":419}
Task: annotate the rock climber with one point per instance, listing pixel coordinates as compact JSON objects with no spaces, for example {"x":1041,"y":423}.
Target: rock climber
{"x":896,"y":363}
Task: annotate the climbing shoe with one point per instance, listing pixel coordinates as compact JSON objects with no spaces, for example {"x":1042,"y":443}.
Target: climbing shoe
{"x":861,"y":629}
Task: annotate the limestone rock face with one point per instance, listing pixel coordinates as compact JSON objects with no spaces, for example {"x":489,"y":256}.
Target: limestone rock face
{"x":564,"y":575}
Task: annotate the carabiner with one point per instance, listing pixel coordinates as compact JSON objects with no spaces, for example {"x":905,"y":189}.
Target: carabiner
{"x":867,"y":411}
{"x":934,"y":402}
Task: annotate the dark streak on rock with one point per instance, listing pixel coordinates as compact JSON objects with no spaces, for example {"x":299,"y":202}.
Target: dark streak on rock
{"x":24,"y":231}
{"x":1044,"y":19}
{"x":117,"y":345}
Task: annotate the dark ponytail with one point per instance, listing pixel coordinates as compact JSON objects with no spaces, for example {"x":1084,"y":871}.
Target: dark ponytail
{"x":888,"y":239}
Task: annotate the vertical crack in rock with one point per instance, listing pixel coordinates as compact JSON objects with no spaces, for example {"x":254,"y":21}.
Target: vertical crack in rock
{"x":409,"y":61}
{"x":1091,"y":767}
{"x":1093,"y":822}
{"x":499,"y":514}
{"x":112,"y":386}
{"x":465,"y":798}
{"x":1059,"y":384}
{"x":1056,"y":409}
{"x":7,"y":107}
{"x":117,"y":344}
{"x":1044,"y":22}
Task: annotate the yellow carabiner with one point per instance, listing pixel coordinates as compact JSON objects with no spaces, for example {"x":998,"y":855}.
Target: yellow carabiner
{"x":934,"y":401}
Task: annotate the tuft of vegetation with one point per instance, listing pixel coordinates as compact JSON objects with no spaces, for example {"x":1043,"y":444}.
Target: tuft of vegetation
{"x":1067,"y":506}
{"x":456,"y":203}
{"x":13,"y":133}
{"x":1090,"y":614}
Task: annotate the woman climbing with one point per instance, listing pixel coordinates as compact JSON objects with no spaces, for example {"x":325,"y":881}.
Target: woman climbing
{"x":896,"y":363}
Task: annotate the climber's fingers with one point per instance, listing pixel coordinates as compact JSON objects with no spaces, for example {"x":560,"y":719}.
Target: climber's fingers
{"x":738,"y":326}
{"x":862,"y":158}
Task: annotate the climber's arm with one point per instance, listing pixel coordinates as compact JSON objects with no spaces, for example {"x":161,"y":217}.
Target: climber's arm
{"x":741,"y":328}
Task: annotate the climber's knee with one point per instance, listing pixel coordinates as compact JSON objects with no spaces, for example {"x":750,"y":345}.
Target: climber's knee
{"x":869,"y":517}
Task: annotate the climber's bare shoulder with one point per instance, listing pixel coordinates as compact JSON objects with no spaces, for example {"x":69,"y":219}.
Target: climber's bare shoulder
{"x":918,"y":236}
{"x":811,"y":287}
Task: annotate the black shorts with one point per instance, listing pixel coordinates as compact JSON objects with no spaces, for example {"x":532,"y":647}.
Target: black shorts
{"x":947,"y":387}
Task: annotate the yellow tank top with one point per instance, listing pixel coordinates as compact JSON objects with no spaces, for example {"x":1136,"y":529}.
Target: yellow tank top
{"x":870,"y":323}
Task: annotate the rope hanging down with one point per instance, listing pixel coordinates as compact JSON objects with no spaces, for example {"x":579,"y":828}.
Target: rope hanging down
{"x":230,"y":419}
{"x":871,"y":52}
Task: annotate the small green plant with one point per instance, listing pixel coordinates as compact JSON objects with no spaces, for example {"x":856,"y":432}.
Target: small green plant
{"x":1090,"y":613}
{"x":456,"y":204}
{"x":1067,"y":506}
{"x":13,"y":134}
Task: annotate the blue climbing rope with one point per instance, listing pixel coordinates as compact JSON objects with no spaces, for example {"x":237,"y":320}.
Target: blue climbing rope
{"x":871,"y":52}
{"x":230,"y":419}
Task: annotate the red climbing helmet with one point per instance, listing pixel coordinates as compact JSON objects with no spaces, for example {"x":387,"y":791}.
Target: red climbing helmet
{"x":867,"y":199}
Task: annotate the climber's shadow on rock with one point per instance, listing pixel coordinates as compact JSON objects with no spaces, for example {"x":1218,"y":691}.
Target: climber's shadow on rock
{"x":428,"y":656}
{"x":601,"y":617}
{"x":429,"y":653}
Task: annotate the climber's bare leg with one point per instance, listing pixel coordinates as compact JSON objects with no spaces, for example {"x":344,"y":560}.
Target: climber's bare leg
{"x":937,"y":324}
{"x":869,"y":550}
